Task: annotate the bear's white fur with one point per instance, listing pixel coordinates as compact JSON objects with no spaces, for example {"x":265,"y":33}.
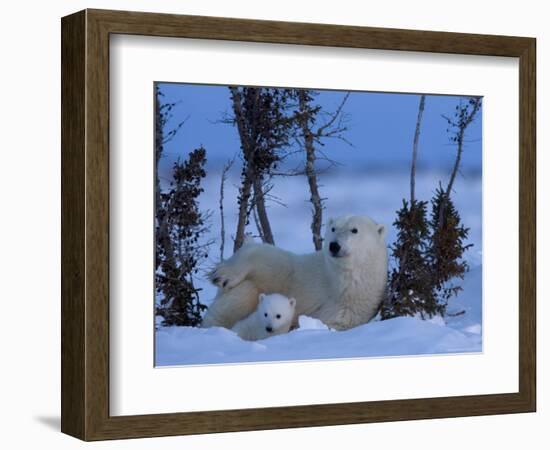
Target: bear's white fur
{"x":273,"y":316}
{"x":343,"y":287}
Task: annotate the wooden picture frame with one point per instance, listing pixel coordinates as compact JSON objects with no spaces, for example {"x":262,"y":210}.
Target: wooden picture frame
{"x":85,"y":224}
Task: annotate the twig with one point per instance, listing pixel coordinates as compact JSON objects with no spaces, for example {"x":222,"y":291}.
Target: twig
{"x":226,"y":168}
{"x":459,"y":313}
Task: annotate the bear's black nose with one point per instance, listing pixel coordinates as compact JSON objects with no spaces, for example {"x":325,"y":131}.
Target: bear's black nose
{"x":334,"y":248}
{"x":268,"y":329}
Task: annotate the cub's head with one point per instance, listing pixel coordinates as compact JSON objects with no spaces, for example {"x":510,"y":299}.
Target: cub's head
{"x":276,"y":311}
{"x":351,"y":237}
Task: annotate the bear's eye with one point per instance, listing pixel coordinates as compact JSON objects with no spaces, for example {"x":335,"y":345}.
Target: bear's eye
{"x":265,"y":314}
{"x":333,"y":229}
{"x":354,"y":230}
{"x":278,"y":316}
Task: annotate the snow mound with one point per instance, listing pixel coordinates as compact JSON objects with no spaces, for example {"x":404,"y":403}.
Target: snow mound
{"x":395,"y":337}
{"x":459,"y":332}
{"x":310,"y":323}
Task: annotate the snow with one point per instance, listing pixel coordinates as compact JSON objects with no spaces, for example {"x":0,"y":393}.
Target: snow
{"x":309,"y":323}
{"x":360,"y":193}
{"x":372,"y":179}
{"x":402,"y":336}
{"x":469,"y":301}
{"x":376,"y":194}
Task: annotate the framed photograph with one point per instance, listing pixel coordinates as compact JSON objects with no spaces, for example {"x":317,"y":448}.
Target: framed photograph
{"x":273,"y":225}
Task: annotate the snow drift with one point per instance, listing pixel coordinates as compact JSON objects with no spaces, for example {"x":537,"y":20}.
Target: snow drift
{"x":401,"y":336}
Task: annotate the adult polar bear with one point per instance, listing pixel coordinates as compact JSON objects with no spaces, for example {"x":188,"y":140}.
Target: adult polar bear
{"x":342,"y":285}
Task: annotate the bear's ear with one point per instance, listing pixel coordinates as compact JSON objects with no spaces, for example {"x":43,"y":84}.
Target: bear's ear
{"x":262,"y":297}
{"x":381,"y":230}
{"x":330,"y":220}
{"x":292,"y":301}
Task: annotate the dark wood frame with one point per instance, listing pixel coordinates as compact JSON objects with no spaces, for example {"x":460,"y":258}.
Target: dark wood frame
{"x":85,"y":224}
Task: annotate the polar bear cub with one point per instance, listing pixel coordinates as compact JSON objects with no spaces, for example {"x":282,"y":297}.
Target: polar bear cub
{"x":273,"y":316}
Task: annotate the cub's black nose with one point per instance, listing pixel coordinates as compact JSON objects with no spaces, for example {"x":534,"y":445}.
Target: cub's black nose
{"x":268,"y":329}
{"x":334,"y":248}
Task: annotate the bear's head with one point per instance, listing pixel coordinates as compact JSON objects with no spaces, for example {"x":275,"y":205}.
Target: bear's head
{"x":276,"y":312}
{"x":353,"y":238}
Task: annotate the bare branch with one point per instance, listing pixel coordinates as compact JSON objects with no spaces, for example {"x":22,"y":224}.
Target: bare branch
{"x":466,"y":115}
{"x":415,"y":144}
{"x":225,"y":169}
{"x":333,"y":116}
{"x":315,"y":198}
{"x":459,"y":139}
{"x":258,"y":226}
{"x":172,"y":133}
{"x":247,"y":179}
{"x":259,"y":200}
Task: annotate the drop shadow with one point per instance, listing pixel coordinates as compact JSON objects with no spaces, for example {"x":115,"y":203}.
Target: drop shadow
{"x":51,"y":422}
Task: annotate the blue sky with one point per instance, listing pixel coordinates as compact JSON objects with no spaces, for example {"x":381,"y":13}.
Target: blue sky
{"x":380,"y":127}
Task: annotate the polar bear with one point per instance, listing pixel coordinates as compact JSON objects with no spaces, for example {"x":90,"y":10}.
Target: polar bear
{"x":343,"y":284}
{"x":273,"y":316}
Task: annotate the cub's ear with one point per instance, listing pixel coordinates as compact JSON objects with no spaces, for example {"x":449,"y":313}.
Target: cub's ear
{"x":381,"y":230}
{"x":330,"y":220}
{"x":292,"y":301}
{"x":262,"y":297}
